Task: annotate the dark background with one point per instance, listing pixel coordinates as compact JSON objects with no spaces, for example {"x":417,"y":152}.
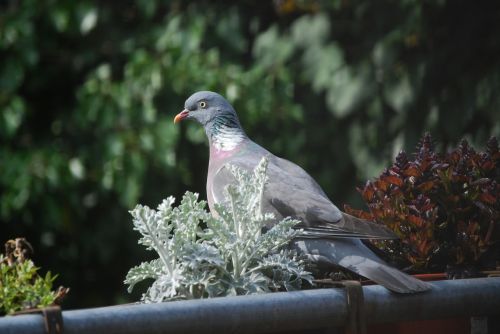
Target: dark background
{"x":88,"y":90}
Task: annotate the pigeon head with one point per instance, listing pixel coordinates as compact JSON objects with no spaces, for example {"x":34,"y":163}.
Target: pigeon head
{"x":205,"y":107}
{"x":217,"y":116}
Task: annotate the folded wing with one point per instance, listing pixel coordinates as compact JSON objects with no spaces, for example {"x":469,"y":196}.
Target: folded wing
{"x":292,"y":192}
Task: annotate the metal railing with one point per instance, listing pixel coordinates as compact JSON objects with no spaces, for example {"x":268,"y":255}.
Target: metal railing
{"x":275,"y":312}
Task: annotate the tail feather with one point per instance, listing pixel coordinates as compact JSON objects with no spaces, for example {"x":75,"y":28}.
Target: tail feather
{"x":391,"y":278}
{"x":353,"y":255}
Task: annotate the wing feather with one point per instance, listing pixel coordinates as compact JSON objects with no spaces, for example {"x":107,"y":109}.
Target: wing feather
{"x":291,"y":192}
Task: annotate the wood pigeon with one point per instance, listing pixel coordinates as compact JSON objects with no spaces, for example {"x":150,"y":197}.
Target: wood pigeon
{"x":330,"y":237}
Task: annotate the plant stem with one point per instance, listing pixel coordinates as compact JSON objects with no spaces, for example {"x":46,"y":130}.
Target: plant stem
{"x":160,"y":250}
{"x":235,"y":218}
{"x":235,"y":253}
{"x":261,"y":195}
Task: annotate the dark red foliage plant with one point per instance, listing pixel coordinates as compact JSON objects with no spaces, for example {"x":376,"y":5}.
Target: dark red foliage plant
{"x":444,"y":207}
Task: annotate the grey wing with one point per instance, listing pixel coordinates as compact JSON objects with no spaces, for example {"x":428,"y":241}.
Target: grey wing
{"x":291,"y":192}
{"x":298,"y":195}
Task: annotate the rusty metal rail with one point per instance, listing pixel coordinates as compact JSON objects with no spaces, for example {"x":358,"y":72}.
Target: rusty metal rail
{"x":277,"y":312}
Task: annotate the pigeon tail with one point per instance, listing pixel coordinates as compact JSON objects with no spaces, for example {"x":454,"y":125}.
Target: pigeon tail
{"x":389,"y":277}
{"x":353,"y":255}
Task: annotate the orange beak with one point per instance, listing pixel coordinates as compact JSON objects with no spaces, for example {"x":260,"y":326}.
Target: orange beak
{"x":180,"y":116}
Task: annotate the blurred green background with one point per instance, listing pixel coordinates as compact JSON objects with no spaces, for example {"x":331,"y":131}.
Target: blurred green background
{"x":88,"y":90}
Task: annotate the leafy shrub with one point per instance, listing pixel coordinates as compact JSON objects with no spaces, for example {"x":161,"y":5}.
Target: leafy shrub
{"x":229,"y":256}
{"x":445,"y":207}
{"x":21,"y":287}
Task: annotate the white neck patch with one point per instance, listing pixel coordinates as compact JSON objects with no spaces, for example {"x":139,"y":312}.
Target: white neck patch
{"x":227,"y":138}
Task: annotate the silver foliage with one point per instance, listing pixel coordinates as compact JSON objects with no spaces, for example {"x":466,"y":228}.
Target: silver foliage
{"x":202,"y":256}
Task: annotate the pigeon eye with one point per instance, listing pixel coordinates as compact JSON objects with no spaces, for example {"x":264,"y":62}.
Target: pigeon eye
{"x":203,"y":104}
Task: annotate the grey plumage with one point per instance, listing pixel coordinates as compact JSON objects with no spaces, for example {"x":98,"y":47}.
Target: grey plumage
{"x":330,"y":236}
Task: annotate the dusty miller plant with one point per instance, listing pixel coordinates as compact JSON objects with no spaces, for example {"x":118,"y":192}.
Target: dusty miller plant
{"x":203,"y":256}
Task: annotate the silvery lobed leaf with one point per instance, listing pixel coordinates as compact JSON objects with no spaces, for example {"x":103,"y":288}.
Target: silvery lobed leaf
{"x":233,"y":255}
{"x":145,"y":270}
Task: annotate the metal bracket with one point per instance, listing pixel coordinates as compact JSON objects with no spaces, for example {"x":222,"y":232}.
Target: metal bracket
{"x":355,"y":307}
{"x":356,"y":321}
{"x":53,"y":320}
